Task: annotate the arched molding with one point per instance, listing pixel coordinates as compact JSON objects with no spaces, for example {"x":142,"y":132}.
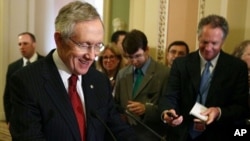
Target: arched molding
{"x":201,"y":14}
{"x":162,"y":35}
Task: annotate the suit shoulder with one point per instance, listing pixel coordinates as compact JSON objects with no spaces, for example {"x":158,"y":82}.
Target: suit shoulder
{"x":93,"y":72}
{"x":16,"y":62}
{"x":232,"y":59}
{"x":14,"y":66}
{"x":125,"y":71}
{"x":40,"y":56}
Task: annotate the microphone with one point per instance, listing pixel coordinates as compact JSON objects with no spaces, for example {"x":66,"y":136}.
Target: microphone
{"x":104,"y":124}
{"x":121,"y":110}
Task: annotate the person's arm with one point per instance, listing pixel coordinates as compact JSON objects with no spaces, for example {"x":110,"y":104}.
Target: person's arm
{"x":25,"y":122}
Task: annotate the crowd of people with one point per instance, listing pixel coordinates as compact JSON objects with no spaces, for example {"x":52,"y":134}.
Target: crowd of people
{"x":126,"y":95}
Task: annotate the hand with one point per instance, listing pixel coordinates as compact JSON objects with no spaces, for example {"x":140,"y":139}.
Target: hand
{"x":136,"y":108}
{"x":212,"y":113}
{"x":171,"y":118}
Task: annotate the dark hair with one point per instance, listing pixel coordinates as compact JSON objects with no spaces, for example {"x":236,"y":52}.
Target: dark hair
{"x":115,"y":35}
{"x":215,"y":21}
{"x":32,"y":36}
{"x":134,"y":40}
{"x":179,"y":43}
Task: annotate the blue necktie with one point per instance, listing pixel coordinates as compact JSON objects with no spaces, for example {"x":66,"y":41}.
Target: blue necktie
{"x":201,"y":98}
{"x":139,"y":77}
{"x":205,"y":83}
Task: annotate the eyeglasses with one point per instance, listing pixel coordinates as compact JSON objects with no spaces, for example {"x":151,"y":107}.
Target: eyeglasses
{"x":178,"y":53}
{"x":88,"y":47}
{"x":111,"y":57}
{"x":136,"y":57}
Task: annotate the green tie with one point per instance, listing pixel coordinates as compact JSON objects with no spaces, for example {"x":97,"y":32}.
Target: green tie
{"x":139,"y":77}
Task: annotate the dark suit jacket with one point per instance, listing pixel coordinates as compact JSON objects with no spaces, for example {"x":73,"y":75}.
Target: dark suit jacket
{"x":228,"y":90}
{"x":154,"y":81}
{"x":42,"y":109}
{"x":13,"y":67}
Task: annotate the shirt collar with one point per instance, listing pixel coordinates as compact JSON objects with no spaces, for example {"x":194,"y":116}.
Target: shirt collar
{"x":62,"y":68}
{"x":145,"y":66}
{"x":213,"y":61}
{"x":32,"y":59}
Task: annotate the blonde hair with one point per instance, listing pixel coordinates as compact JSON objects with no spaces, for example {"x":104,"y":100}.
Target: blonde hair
{"x":114,"y":49}
{"x":239,"y":49}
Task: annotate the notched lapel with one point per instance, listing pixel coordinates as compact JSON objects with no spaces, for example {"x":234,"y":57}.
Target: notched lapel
{"x":128,"y":86}
{"x":55,"y":89}
{"x":146,"y":79}
{"x":193,"y":68}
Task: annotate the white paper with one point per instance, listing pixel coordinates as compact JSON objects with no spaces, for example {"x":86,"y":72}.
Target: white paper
{"x":197,"y":109}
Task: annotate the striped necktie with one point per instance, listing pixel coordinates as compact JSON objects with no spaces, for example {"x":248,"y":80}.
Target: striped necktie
{"x":77,"y":106}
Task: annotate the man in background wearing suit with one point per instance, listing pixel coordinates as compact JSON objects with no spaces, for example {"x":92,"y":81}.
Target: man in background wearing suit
{"x":27,"y":46}
{"x":62,"y":98}
{"x":225,"y":94}
{"x":141,"y":100}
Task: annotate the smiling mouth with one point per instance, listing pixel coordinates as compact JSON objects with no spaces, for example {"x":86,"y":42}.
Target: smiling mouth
{"x":84,"y":61}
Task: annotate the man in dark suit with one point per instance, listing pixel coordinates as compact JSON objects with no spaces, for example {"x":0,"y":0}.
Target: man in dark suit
{"x":143,"y":102}
{"x":225,"y":96}
{"x":27,"y":46}
{"x":46,"y":106}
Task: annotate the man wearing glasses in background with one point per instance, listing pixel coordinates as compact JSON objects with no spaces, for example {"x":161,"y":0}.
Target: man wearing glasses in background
{"x":139,"y":85}
{"x":174,"y":50}
{"x":62,"y":98}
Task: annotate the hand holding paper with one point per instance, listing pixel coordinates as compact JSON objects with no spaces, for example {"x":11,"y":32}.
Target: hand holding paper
{"x":197,"y":110}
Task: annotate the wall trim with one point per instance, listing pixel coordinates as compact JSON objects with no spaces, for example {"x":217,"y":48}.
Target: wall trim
{"x":162,"y":35}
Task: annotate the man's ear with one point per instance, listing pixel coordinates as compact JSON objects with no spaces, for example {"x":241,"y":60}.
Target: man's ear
{"x":147,"y":49}
{"x":58,"y":39}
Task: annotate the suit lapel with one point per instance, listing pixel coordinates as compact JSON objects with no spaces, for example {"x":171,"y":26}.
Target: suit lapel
{"x":55,"y":90}
{"x":147,"y":77}
{"x":220,"y":67}
{"x":193,"y":68}
{"x":129,"y":79}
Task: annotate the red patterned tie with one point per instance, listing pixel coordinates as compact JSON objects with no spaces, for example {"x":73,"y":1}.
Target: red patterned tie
{"x":77,"y":106}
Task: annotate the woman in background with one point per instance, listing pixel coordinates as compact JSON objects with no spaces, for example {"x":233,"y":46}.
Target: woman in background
{"x":242,"y":51}
{"x":110,"y":61}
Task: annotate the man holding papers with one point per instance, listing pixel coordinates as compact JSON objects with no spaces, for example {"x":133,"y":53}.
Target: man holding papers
{"x":206,"y":83}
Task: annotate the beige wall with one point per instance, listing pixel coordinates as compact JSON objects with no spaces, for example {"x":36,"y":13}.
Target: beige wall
{"x":182,"y":22}
{"x":247,"y":25}
{"x":144,"y":16}
{"x":3,"y":53}
{"x":181,"y":16}
{"x":236,"y":16}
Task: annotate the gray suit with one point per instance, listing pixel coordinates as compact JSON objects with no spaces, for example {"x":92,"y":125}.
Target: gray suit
{"x":155,"y":79}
